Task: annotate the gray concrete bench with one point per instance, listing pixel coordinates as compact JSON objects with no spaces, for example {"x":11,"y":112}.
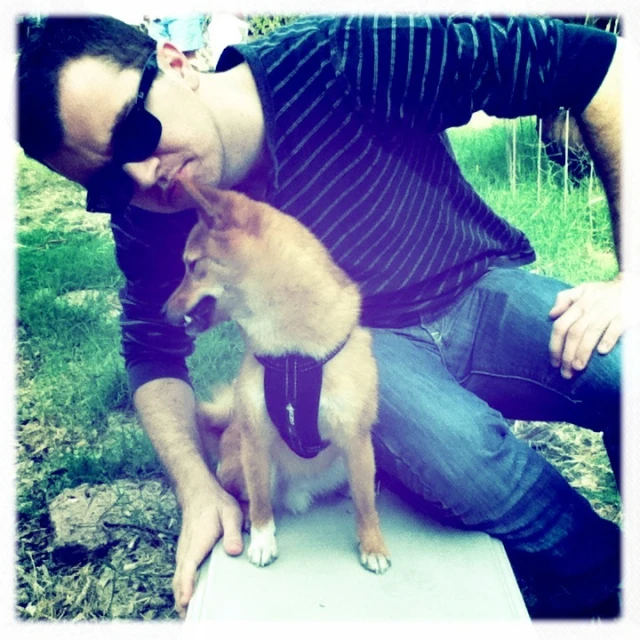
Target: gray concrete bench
{"x":437,"y":573}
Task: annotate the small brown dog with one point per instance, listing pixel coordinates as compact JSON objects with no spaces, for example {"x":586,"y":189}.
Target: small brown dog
{"x":300,"y":411}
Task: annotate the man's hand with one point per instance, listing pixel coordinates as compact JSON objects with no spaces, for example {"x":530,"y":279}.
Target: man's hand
{"x":586,"y":317}
{"x":166,"y":408}
{"x":205,"y":518}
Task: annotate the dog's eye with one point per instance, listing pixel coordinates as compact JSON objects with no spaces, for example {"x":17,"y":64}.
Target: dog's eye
{"x":198,"y":268}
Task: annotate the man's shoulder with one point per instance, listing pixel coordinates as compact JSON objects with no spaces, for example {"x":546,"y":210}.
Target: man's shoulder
{"x":296,"y":30}
{"x":293,"y":51}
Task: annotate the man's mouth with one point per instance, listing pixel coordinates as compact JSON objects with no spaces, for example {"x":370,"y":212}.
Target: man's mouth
{"x":200,"y":318}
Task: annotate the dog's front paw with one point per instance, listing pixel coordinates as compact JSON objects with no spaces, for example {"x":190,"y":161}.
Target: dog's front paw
{"x":376,"y":562}
{"x":263,"y":549}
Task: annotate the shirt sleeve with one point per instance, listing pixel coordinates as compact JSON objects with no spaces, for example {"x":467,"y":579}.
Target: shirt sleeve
{"x":149,"y":253}
{"x":434,"y":73}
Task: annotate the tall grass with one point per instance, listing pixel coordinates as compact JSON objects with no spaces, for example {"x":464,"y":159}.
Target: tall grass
{"x":568,"y":226}
{"x":75,"y":420}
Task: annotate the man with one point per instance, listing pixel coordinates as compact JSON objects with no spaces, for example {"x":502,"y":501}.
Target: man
{"x":340,"y":122}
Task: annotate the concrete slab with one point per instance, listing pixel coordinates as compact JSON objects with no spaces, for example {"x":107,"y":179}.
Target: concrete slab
{"x":437,"y":573}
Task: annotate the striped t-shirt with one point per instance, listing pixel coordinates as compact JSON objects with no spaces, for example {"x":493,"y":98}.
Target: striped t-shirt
{"x":355,"y":111}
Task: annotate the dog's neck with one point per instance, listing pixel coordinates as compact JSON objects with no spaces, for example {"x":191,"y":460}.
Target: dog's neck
{"x":273,"y":329}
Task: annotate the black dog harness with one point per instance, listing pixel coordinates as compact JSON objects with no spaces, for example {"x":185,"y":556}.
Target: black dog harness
{"x":292,"y":386}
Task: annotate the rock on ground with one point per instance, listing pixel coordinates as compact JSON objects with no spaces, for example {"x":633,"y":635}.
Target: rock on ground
{"x":92,"y":516}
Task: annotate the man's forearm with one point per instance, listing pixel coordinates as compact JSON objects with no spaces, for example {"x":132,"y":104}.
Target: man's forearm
{"x":601,"y":128}
{"x":166,"y":408}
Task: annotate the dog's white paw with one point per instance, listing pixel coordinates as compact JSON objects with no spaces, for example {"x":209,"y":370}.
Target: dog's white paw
{"x":376,"y":562}
{"x":263,"y":549}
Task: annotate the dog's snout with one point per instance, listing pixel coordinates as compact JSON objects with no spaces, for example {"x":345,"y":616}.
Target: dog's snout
{"x":196,"y":319}
{"x":172,"y":314}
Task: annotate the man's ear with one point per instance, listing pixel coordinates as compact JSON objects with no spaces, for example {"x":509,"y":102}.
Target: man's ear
{"x":170,"y":58}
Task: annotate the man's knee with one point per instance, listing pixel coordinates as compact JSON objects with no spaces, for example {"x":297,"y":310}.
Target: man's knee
{"x":465,"y":464}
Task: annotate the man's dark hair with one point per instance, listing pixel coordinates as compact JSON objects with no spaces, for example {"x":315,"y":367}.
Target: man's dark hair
{"x":45,"y":46}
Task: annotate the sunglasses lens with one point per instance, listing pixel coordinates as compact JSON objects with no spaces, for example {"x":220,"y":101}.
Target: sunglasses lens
{"x":109,"y":191}
{"x":137,"y":138}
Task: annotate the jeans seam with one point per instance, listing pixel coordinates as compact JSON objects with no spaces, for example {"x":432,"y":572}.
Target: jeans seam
{"x":465,"y":379}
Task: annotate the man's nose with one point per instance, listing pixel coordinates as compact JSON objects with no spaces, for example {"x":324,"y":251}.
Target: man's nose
{"x":144,"y":173}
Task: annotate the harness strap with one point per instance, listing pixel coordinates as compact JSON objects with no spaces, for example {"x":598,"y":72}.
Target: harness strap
{"x":303,"y":362}
{"x":292,"y":388}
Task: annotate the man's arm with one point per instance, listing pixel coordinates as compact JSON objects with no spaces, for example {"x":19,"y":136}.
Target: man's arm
{"x":508,"y":67}
{"x":166,"y":408}
{"x":430,"y":73}
{"x":589,"y":317}
{"x":149,"y":252}
{"x":601,"y":128}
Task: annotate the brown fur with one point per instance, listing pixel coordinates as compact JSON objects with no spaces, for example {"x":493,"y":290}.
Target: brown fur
{"x":276,"y":280}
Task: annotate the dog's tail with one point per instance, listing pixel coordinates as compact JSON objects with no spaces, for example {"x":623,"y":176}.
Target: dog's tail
{"x":215,"y":416}
{"x":212,"y":418}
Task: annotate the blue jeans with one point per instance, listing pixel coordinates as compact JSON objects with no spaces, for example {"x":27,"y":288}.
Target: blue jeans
{"x":185,"y":32}
{"x":447,"y":388}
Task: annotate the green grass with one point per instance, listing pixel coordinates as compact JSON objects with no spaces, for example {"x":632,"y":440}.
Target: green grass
{"x":75,"y":421}
{"x":572,"y":238}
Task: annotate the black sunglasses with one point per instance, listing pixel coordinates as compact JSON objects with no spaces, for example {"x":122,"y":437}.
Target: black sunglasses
{"x":134,"y":139}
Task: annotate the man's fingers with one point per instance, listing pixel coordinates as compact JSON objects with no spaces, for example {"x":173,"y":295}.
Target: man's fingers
{"x":565,"y":313}
{"x":579,"y":333}
{"x":581,"y":342}
{"x":559,"y":346}
{"x":196,"y":541}
{"x":611,"y":336}
{"x":563,"y":301}
{"x":182,"y":610}
{"x":232,"y":541}
{"x":202,"y":527}
{"x":183,"y":584}
{"x":182,"y":596}
{"x":587,"y":319}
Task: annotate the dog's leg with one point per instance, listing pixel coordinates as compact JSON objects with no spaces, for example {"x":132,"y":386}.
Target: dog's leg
{"x":263,"y":549}
{"x":361,"y":469}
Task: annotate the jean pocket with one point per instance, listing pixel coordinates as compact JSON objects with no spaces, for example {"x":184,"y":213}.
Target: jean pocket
{"x":469,"y":331}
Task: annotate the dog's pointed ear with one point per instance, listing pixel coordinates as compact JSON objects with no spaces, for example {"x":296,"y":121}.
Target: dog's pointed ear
{"x":216,"y":216}
{"x":215,"y":207}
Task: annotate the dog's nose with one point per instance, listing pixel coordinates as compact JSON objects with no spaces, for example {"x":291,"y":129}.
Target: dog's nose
{"x":176,"y":319}
{"x":172,"y":314}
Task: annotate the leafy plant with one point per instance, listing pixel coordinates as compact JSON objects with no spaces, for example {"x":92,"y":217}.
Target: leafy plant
{"x":264,"y":24}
